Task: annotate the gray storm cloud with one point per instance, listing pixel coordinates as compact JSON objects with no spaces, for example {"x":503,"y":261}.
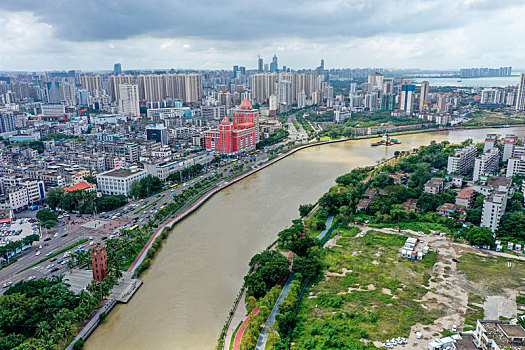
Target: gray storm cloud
{"x":99,"y":20}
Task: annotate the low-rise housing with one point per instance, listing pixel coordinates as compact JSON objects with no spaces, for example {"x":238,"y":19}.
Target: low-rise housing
{"x":434,"y":186}
{"x":368,"y":197}
{"x":466,"y":197}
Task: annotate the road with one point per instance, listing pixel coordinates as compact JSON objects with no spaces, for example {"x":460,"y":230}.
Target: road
{"x":72,"y":228}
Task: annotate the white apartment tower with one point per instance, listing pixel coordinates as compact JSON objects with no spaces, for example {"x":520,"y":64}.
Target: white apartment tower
{"x":486,"y":164}
{"x":129,"y":100}
{"x":462,"y":161}
{"x":423,"y":97}
{"x":520,"y":101}
{"x":493,"y":209}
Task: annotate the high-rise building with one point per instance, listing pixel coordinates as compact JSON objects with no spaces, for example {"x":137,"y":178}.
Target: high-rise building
{"x":260,"y":64}
{"x":53,"y":92}
{"x":274,"y":67}
{"x":235,"y":70}
{"x":486,"y":164}
{"x":423,"y":96}
{"x":322,"y":65}
{"x":114,"y":82}
{"x":129,"y":100}
{"x":388,"y":102}
{"x":99,"y":262}
{"x":117,"y":69}
{"x":92,"y":83}
{"x":186,"y":87}
{"x":284,"y":92}
{"x":462,"y":162}
{"x":375,"y":80}
{"x":263,"y":86}
{"x":67,"y":94}
{"x":406,"y":101}
{"x":158,"y":133}
{"x":520,"y":101}
{"x":301,"y":99}
{"x":7,"y":121}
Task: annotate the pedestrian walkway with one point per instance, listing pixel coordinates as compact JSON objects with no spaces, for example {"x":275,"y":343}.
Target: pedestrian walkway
{"x":263,"y":337}
{"x":242,"y":329}
{"x":328,"y":225}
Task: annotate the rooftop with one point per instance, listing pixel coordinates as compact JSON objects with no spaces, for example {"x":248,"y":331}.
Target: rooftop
{"x":120,"y":172}
{"x":79,"y":186}
{"x":466,"y":193}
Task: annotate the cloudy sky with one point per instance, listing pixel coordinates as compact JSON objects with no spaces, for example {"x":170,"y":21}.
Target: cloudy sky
{"x":211,"y":34}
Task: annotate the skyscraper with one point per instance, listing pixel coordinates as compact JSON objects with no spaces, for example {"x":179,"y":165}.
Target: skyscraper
{"x":260,"y":64}
{"x":423,"y":97}
{"x":53,"y":92}
{"x":322,"y":65}
{"x":407,"y":98}
{"x":129,"y":100}
{"x":235,"y":70}
{"x":7,"y":121}
{"x":117,"y":69}
{"x":520,"y":101}
{"x":92,"y":83}
{"x":274,"y":66}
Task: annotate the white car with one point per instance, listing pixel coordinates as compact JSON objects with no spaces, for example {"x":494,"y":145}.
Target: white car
{"x":50,"y":266}
{"x":31,"y":278}
{"x":55,"y":235}
{"x":7,"y":284}
{"x":90,"y":238}
{"x":91,"y":243}
{"x":37,"y":253}
{"x":48,"y":254}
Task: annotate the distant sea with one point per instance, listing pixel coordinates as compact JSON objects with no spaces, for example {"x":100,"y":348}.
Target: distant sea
{"x":473,"y":82}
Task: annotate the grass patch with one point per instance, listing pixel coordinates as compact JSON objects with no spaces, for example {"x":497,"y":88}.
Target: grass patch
{"x":376,"y":301}
{"x":234,"y":334}
{"x":474,"y":312}
{"x":520,"y":299}
{"x":147,"y":206}
{"x":491,"y":274}
{"x":84,"y":240}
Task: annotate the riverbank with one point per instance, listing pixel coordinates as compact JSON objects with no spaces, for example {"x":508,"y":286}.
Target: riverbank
{"x":171,"y":222}
{"x":226,"y":240}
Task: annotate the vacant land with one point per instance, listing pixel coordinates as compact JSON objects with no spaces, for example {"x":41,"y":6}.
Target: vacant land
{"x":493,"y":118}
{"x":369,"y":293}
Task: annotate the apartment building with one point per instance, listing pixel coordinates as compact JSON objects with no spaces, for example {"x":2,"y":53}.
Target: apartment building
{"x":494,"y":207}
{"x":462,"y":162}
{"x":486,"y":164}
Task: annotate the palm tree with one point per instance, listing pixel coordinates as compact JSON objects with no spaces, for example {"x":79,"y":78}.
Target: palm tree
{"x":42,"y":329}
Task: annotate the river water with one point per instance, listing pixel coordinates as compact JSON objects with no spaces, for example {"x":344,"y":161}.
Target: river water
{"x":190,"y":288}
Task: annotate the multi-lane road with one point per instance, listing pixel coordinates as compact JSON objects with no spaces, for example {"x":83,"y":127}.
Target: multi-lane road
{"x":72,"y":228}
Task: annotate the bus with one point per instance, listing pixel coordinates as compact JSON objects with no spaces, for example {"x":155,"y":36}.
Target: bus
{"x":134,"y":228}
{"x":174,"y":186}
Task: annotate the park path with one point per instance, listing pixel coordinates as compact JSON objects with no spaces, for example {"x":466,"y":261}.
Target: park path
{"x":327,"y":227}
{"x":263,"y":337}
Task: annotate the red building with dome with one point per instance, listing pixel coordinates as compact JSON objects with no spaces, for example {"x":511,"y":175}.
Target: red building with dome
{"x":239,"y":135}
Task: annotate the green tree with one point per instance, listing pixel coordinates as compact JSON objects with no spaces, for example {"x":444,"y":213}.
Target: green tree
{"x":46,"y":215}
{"x":479,"y":236}
{"x":512,"y":225}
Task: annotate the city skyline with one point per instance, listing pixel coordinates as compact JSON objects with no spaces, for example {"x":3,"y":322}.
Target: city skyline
{"x":413,"y":33}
